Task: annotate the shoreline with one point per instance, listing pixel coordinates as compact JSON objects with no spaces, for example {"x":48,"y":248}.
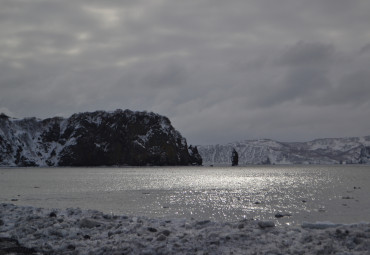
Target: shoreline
{"x":205,"y":165}
{"x":76,"y":231}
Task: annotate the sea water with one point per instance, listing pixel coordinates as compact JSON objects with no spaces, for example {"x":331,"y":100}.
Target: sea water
{"x":301,"y":193}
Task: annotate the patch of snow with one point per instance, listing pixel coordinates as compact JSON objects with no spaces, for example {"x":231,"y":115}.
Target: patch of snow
{"x":76,"y":231}
{"x":320,"y":151}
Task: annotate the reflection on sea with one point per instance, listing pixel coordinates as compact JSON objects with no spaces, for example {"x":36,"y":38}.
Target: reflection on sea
{"x":306,"y":193}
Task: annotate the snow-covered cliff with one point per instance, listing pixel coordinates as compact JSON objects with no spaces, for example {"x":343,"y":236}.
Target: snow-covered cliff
{"x":92,"y":139}
{"x":354,"y":150}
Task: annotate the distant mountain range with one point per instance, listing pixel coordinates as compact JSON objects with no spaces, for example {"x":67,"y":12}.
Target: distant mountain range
{"x":140,"y":138}
{"x":94,"y":139}
{"x":353,"y":150}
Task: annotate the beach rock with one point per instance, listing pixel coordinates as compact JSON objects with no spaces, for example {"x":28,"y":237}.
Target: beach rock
{"x":12,"y":246}
{"x":52,"y":215}
{"x":341,"y":234}
{"x":266,"y":224}
{"x":88,"y":223}
{"x":280,"y":215}
{"x":56,"y":232}
{"x":166,"y":232}
{"x":161,"y":238}
{"x":203,"y":222}
{"x":150,"y":229}
{"x":71,"y":247}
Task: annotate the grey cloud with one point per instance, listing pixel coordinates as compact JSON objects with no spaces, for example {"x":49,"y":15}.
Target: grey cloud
{"x":353,"y":88}
{"x":305,"y":82}
{"x":171,"y":75}
{"x":307,"y":54}
{"x":303,"y":73}
{"x":221,"y":70}
{"x":365,"y":49}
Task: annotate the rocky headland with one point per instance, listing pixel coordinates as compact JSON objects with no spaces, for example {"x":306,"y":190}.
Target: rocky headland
{"x":94,"y":139}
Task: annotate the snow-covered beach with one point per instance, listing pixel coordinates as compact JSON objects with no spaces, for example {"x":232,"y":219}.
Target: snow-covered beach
{"x":76,"y":231}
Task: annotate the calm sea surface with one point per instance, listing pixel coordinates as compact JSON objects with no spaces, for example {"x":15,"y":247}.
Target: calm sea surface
{"x":307,"y":193}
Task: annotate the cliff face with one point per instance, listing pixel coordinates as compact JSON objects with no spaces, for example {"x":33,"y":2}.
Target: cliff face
{"x":353,"y":150}
{"x":93,"y":139}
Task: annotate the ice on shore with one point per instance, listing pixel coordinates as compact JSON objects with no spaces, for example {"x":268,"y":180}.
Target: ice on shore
{"x":76,"y":231}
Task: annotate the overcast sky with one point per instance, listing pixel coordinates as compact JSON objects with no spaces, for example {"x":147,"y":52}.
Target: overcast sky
{"x":290,"y":70}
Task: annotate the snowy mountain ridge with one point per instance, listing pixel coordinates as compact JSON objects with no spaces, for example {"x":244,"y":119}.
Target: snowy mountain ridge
{"x":352,"y":150}
{"x":93,"y":139}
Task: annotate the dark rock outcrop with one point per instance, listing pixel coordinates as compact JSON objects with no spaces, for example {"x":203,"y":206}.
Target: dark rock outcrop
{"x":195,"y":157}
{"x":94,"y":139}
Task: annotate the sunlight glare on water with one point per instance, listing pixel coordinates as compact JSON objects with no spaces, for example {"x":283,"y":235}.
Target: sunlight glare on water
{"x":307,"y":193}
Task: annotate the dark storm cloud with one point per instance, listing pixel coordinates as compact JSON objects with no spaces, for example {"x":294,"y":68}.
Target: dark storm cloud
{"x":303,"y":69}
{"x":221,"y":70}
{"x":307,"y":54}
{"x":352,"y":89}
{"x":365,"y":49}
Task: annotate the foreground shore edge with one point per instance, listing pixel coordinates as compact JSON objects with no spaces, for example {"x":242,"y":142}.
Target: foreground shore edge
{"x":31,"y":230}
